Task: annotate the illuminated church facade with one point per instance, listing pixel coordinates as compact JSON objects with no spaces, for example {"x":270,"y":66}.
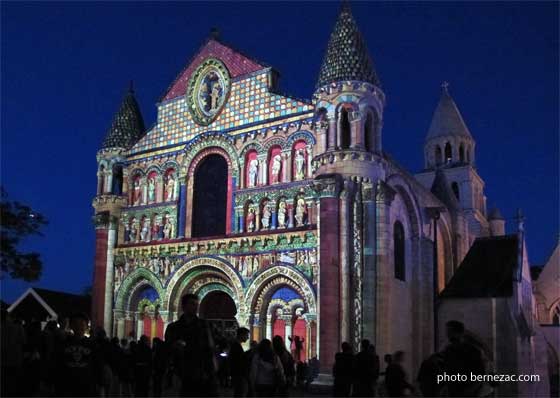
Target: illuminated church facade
{"x":284,"y":215}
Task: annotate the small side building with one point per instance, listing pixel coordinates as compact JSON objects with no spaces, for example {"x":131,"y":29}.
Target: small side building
{"x":491,"y":294}
{"x":43,"y":305}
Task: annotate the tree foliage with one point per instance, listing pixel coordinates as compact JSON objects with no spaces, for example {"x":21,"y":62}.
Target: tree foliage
{"x":18,"y":221}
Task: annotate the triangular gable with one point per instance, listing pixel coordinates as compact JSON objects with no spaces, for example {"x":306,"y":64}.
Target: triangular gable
{"x":38,"y":298}
{"x":236,"y":63}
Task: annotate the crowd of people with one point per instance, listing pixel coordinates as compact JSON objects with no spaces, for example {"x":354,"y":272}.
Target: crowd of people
{"x":359,"y":375}
{"x":63,"y":360}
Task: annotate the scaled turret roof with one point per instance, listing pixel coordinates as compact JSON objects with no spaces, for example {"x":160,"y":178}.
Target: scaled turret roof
{"x":127,"y":126}
{"x":347,"y":57}
{"x":447,"y":119}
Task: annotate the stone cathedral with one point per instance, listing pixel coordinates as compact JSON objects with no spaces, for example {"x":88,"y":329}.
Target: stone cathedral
{"x":284,"y":215}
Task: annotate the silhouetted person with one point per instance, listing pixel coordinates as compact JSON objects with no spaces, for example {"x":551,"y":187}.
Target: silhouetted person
{"x":395,"y":377}
{"x":430,"y":368}
{"x":160,"y":365}
{"x":192,"y":349}
{"x":142,"y":367}
{"x":267,"y":372}
{"x":462,"y":357}
{"x":288,"y":364}
{"x":249,"y":354}
{"x":238,"y":364}
{"x":296,"y":347}
{"x":343,"y":371}
{"x":76,"y":361}
{"x":366,"y":371}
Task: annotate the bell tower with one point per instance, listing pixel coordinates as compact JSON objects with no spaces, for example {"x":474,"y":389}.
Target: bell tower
{"x":349,"y":104}
{"x":449,"y":148}
{"x":347,"y":165}
{"x":126,"y":129}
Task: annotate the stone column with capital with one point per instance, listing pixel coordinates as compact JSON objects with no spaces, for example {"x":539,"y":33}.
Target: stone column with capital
{"x":139,"y":325}
{"x":309,"y":166}
{"x":345,"y":258}
{"x":383,"y":197}
{"x":100,"y":182}
{"x":322,"y":138}
{"x":357,"y":129}
{"x":109,"y":181}
{"x":332,"y":134}
{"x":288,"y":327}
{"x":328,"y":189}
{"x":268,"y":326}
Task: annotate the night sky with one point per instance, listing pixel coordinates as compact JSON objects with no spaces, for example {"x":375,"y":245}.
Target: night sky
{"x":65,"y":68}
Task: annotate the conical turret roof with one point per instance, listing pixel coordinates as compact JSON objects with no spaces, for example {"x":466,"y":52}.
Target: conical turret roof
{"x":127,"y":126}
{"x":447,"y":119}
{"x":442,"y":190}
{"x":347,"y":57}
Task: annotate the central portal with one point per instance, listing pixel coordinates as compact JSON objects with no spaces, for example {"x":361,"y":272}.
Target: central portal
{"x":219,"y":309}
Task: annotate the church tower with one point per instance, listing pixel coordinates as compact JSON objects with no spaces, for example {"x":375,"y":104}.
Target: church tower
{"x":449,"y":150}
{"x":126,"y":129}
{"x":349,"y":103}
{"x":347,"y":167}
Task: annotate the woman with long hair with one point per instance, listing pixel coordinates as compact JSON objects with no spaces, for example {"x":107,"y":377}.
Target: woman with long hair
{"x":267,"y":373}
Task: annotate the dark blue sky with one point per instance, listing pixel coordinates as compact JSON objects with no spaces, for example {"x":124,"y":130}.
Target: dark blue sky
{"x":65,"y":67}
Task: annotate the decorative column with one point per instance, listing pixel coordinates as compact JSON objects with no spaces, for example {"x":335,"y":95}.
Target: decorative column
{"x":328,"y":189}
{"x":110,"y":271}
{"x":332,"y":142}
{"x":370,"y":274}
{"x":125,"y":182}
{"x":263,"y":173}
{"x":356,"y":128}
{"x":290,"y":210}
{"x":144,"y":185}
{"x":139,"y":325}
{"x":182,"y":229}
{"x":384,"y":196}
{"x":165,"y":319}
{"x":269,"y":326}
{"x":109,"y":185}
{"x":345,"y":258}
{"x":119,"y":321}
{"x":288,"y":327}
{"x":242,"y":172}
{"x":100,"y":181}
{"x":256,"y":328}
{"x":322,"y":137}
{"x":101,"y":222}
{"x":309,"y":171}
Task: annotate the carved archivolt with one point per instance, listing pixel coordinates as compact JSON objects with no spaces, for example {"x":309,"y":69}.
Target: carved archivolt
{"x":132,"y":282}
{"x":266,"y":282}
{"x":205,"y":262}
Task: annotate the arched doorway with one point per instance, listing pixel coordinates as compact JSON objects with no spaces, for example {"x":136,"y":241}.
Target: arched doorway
{"x":219,"y":309}
{"x":145,"y":304}
{"x":210,"y":197}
